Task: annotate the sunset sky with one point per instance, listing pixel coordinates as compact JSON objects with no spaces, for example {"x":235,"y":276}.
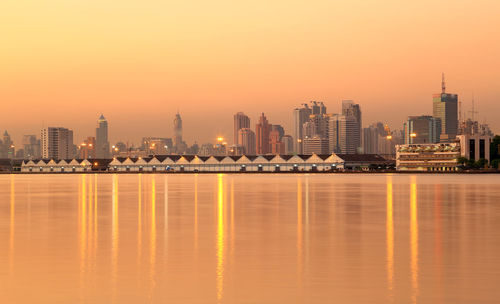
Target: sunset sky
{"x":64,"y":62}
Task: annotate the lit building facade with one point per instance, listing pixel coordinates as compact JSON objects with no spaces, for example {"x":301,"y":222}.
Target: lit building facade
{"x":57,"y":143}
{"x":428,"y":157}
{"x":445,"y":108}
{"x":475,"y":147}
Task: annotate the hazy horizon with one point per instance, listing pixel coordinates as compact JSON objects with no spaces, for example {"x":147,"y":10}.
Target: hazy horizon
{"x":64,"y":63}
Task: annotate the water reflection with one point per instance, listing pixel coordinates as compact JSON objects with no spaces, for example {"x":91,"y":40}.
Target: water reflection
{"x":220,"y":237}
{"x":114,"y":236}
{"x":414,"y":238}
{"x":139,"y":220}
{"x":196,"y":212}
{"x":12,"y":222}
{"x":299,"y":226}
{"x":390,"y":238}
{"x":153,"y":235}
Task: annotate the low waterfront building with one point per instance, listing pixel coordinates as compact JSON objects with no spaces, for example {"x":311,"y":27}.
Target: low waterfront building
{"x":428,"y":157}
{"x":195,"y":163}
{"x":475,"y":147}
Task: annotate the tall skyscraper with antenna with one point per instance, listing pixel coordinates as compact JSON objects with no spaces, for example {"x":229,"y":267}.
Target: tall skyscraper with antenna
{"x":101,"y":135}
{"x":445,"y":108}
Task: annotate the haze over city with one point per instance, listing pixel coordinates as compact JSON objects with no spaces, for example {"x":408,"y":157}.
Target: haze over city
{"x":65,"y":62}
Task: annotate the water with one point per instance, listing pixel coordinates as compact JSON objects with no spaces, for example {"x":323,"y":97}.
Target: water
{"x":249,"y":238}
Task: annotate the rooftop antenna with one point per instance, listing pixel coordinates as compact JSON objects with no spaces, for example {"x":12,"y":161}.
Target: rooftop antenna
{"x":443,"y":84}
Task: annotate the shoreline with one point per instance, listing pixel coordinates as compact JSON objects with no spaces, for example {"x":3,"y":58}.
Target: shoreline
{"x":254,"y":172}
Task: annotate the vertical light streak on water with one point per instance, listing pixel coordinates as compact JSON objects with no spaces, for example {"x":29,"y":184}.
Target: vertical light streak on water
{"x":438,"y":236}
{"x":220,"y":238}
{"x":390,"y":239}
{"x":114,"y":237}
{"x":95,"y":221}
{"x":306,"y":226}
{"x":152,"y":260}
{"x":139,"y":223}
{"x":83,"y":226}
{"x":196,"y":212}
{"x":232,"y":216}
{"x":299,"y":227}
{"x":89,"y":225}
{"x":414,"y":238}
{"x":165,"y":216}
{"x":12,"y":222}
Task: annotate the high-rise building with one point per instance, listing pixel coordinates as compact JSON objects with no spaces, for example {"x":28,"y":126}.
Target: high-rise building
{"x":279,"y":129}
{"x":334,"y":133}
{"x":31,"y":147}
{"x":262,"y":130}
{"x":371,"y":137}
{"x":7,"y":149}
{"x":57,"y":143}
{"x":288,"y":143}
{"x":300,"y":116}
{"x":445,"y":108}
{"x":240,"y":121}
{"x":101,"y":138}
{"x":316,"y":145}
{"x":88,"y":149}
{"x":422,"y":130}
{"x":178,"y":143}
{"x":318,"y":108}
{"x":349,"y":135}
{"x":351,"y":109}
{"x":247,"y":139}
{"x":157,"y":145}
{"x":276,"y":145}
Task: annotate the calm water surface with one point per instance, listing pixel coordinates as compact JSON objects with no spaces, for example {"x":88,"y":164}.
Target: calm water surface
{"x":249,"y":238}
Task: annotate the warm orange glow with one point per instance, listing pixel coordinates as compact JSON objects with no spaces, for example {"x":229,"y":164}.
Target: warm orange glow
{"x":12,"y":221}
{"x":220,"y":139}
{"x":413,"y":135}
{"x":414,"y":238}
{"x":389,"y":137}
{"x":390,"y":238}
{"x":220,"y":237}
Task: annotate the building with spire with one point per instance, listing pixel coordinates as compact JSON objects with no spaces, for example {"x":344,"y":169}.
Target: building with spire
{"x":445,"y":108}
{"x":101,"y":138}
{"x":179,"y":145}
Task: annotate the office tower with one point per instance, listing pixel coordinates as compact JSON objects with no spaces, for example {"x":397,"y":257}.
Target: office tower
{"x":349,"y":135}
{"x":240,"y":121}
{"x":262,"y":130}
{"x":352,"y":112}
{"x":235,"y":150}
{"x":288,"y":143}
{"x":7,"y":149}
{"x":445,"y":108}
{"x":372,"y":135}
{"x":308,"y":130}
{"x":101,"y":138}
{"x":316,"y":145}
{"x":422,"y":129}
{"x":318,"y":108}
{"x":177,"y":131}
{"x":31,"y":147}
{"x":88,"y":149}
{"x":279,"y":129}
{"x":247,"y":139}
{"x":334,"y":133}
{"x":475,"y":147}
{"x":57,"y":143}
{"x":300,"y":116}
{"x":276,"y":145}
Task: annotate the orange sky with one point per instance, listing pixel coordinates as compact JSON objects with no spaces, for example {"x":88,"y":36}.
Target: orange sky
{"x":63,"y":62}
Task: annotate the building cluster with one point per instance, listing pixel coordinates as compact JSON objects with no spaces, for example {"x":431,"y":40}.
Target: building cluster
{"x":420,"y":145}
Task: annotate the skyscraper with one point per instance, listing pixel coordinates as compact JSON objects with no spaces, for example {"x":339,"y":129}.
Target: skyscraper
{"x":101,"y":138}
{"x":300,"y":116}
{"x":31,"y":147}
{"x":262,"y":130}
{"x":349,"y":135}
{"x":445,"y":107}
{"x":240,"y":121}
{"x":334,"y":133}
{"x":57,"y":143}
{"x":276,"y":145}
{"x":246,"y":138}
{"x":352,"y":112}
{"x":178,"y":132}
{"x":422,"y":130}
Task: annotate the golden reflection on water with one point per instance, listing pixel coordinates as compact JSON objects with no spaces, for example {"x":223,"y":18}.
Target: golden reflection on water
{"x":299,"y":225}
{"x":12,"y":222}
{"x":153,"y":235}
{"x":220,"y":237}
{"x":414,"y":238}
{"x":390,"y":238}
{"x":114,"y":236}
{"x":139,"y":221}
{"x":196,"y":212}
